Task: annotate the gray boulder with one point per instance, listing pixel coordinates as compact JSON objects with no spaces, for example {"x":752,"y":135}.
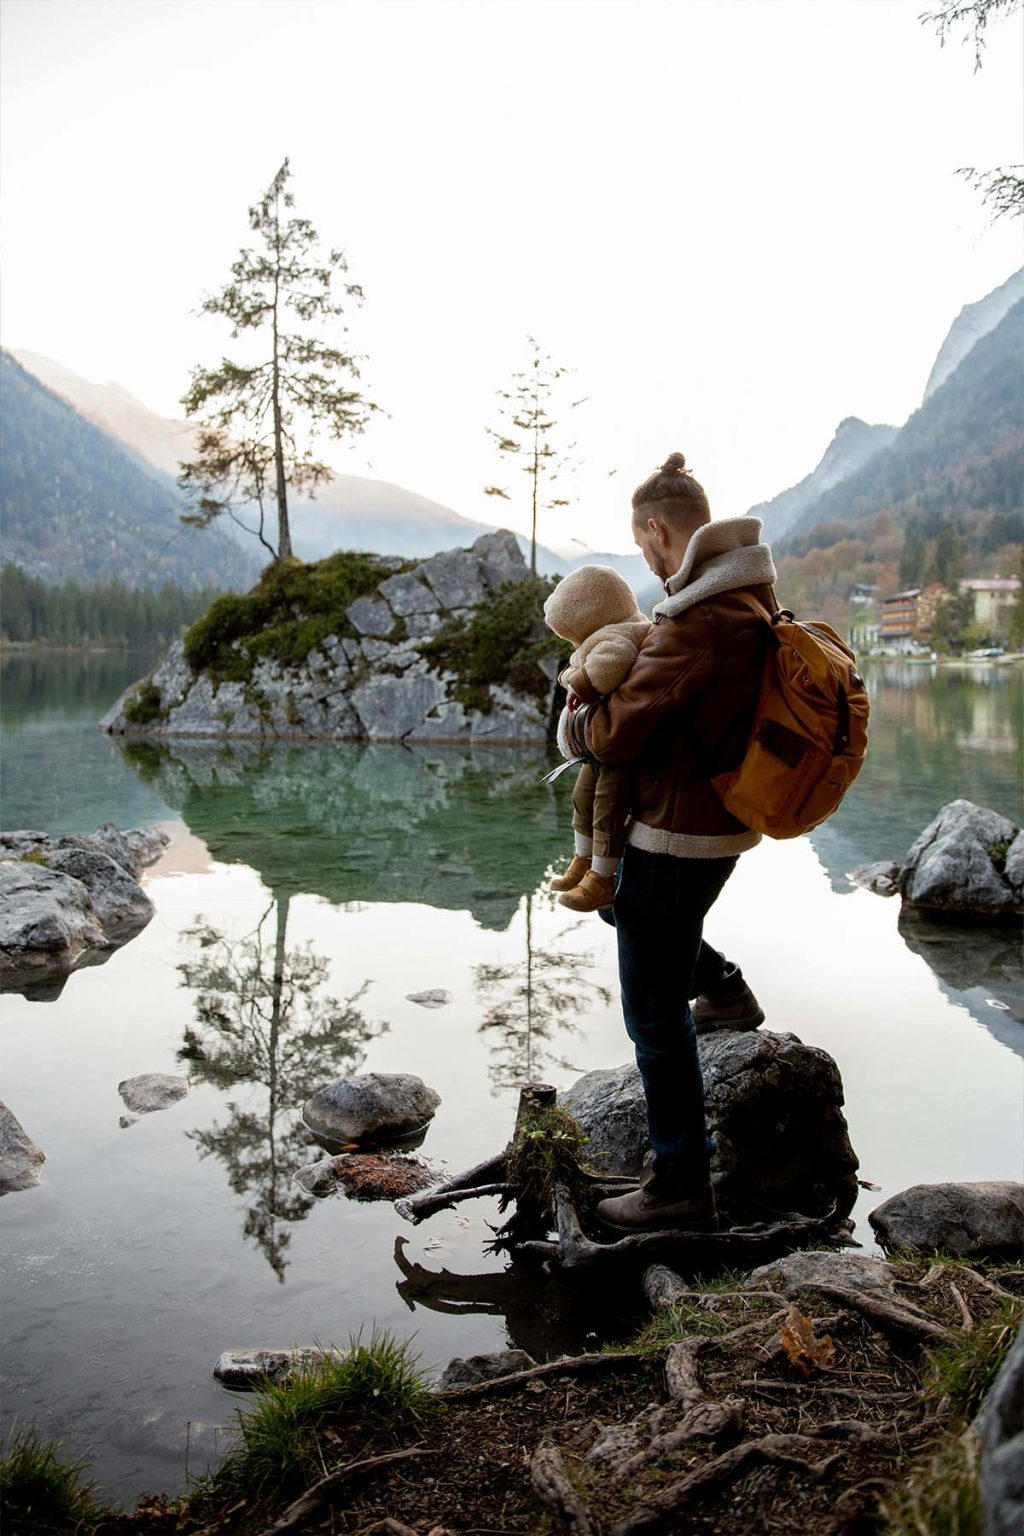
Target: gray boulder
{"x":151,"y":1091}
{"x":851,"y":1270}
{"x":455,"y":578}
{"x":774,"y":1109}
{"x":502,"y":558}
{"x":372,"y":1106}
{"x":47,"y":921}
{"x":1013,"y":870}
{"x":969,"y":1221}
{"x":369,"y":617}
{"x":389,"y":708}
{"x":118,"y":901}
{"x":474,"y":1368}
{"x":957,"y":865}
{"x":133,"y":849}
{"x":1001,"y":1426}
{"x":21,"y":1161}
{"x":406,"y":594}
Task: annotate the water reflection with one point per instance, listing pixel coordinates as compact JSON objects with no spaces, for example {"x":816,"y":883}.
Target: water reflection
{"x":460,"y":829}
{"x":539,"y":995}
{"x":263,"y":1022}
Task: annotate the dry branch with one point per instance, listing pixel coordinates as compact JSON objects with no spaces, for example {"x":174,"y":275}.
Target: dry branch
{"x":895,"y":1317}
{"x":481,"y":1180}
{"x":312,"y":1499}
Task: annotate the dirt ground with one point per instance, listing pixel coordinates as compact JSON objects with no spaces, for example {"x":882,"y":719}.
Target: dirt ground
{"x":741,"y":1434}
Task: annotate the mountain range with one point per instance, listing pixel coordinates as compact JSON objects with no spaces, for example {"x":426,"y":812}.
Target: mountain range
{"x":349,"y":512}
{"x":958,"y":458}
{"x":88,"y":489}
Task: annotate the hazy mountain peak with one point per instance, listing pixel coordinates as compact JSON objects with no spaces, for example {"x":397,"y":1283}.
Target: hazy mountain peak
{"x":972,"y":323}
{"x":852,"y":445}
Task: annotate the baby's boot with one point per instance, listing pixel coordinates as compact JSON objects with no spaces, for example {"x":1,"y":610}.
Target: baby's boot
{"x":592,"y":893}
{"x":579,"y":867}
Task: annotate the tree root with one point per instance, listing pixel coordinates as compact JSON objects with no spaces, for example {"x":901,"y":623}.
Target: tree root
{"x":486,"y":1178}
{"x":769,"y":1386}
{"x":682,"y":1374}
{"x":552,"y":1486}
{"x":320,"y":1492}
{"x":704,"y":1421}
{"x":784,"y":1450}
{"x":664,"y":1288}
{"x":606,"y":1360}
{"x":897,"y":1318}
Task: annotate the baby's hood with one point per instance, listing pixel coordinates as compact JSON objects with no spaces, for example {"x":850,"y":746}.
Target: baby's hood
{"x":588,"y":599}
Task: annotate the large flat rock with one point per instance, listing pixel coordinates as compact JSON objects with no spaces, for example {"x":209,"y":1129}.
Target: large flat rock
{"x":21,"y":1161}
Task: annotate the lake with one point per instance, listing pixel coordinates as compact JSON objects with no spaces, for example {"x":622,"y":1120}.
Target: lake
{"x":380,"y":871}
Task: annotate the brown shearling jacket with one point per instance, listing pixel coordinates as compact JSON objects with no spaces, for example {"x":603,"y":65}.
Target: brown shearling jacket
{"x":684,"y":712}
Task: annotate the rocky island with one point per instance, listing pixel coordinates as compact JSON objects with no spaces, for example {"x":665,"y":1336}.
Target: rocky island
{"x":359,"y":646}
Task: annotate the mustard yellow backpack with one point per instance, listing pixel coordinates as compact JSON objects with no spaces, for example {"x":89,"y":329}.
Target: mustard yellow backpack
{"x":810,"y":731}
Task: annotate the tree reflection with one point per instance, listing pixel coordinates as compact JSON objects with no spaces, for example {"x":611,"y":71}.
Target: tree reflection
{"x":534,"y":999}
{"x":262,"y":1020}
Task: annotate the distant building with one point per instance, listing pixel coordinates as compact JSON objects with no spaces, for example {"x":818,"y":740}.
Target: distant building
{"x":994,"y":598}
{"x":896,"y":631}
{"x":927,"y":608}
{"x":862,"y":594}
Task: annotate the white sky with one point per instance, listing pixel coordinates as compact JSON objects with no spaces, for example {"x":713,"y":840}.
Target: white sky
{"x":737,"y":220}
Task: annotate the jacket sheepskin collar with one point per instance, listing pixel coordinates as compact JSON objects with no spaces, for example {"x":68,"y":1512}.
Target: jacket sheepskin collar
{"x":723,"y":556}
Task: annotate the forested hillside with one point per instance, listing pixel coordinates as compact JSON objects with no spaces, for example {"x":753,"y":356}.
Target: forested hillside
{"x":77,"y":505}
{"x":944,"y":499}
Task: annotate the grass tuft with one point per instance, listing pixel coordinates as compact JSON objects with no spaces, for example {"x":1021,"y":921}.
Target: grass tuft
{"x":41,"y":1491}
{"x":966,"y":1368}
{"x":376,"y":1383}
{"x":942,"y":1497}
{"x":145,"y":705}
{"x":503,"y":642}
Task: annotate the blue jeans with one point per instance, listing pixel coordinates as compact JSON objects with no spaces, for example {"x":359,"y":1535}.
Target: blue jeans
{"x":660,"y":906}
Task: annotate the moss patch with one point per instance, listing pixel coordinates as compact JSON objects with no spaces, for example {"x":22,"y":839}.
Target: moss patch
{"x":292,"y":608}
{"x":145,"y":705}
{"x":501,"y":644}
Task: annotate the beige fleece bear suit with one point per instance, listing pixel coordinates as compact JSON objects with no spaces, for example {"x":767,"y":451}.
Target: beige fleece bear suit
{"x":596,"y":611}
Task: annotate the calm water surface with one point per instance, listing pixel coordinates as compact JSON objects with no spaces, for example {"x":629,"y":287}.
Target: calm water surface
{"x":376,"y":872}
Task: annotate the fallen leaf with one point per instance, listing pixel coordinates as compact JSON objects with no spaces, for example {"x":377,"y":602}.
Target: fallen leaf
{"x":867,"y":1184}
{"x":802,"y":1349}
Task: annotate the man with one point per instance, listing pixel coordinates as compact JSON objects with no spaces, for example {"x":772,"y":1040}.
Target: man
{"x":682,"y":716}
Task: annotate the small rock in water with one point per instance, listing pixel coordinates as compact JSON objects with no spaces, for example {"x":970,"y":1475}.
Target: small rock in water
{"x":151,"y":1091}
{"x":382,"y":1106}
{"x":21,"y":1161}
{"x":366,"y":1177}
{"x":883,"y":878}
{"x":435,"y":997}
{"x":124,"y":1121}
{"x":249,"y":1368}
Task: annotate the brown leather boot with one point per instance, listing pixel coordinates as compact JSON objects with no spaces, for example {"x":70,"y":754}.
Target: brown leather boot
{"x":593,"y":892}
{"x":736,"y":1008}
{"x":653,"y":1207}
{"x":574,"y":874}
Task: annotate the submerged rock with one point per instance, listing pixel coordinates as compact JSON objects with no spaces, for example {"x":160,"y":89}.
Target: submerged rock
{"x":372,"y":1106}
{"x":366,"y":1177}
{"x":21,"y":1161}
{"x":970,"y":1221}
{"x":774,"y":1109}
{"x":467,"y":1372}
{"x":435,"y":997}
{"x":251,"y":1368}
{"x":151,"y":1091}
{"x":882,"y":878}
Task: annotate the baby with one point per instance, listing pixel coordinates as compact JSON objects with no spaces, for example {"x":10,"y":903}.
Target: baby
{"x":596,"y":611}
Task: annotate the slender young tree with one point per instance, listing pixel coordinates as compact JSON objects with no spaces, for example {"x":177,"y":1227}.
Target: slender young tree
{"x":256,"y":419}
{"x":527,"y":435}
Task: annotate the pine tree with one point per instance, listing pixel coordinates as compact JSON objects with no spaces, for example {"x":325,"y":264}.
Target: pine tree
{"x":528,"y":433}
{"x":256,"y":419}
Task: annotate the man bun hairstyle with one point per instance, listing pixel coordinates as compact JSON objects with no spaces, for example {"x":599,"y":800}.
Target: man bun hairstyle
{"x":678,"y":495}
